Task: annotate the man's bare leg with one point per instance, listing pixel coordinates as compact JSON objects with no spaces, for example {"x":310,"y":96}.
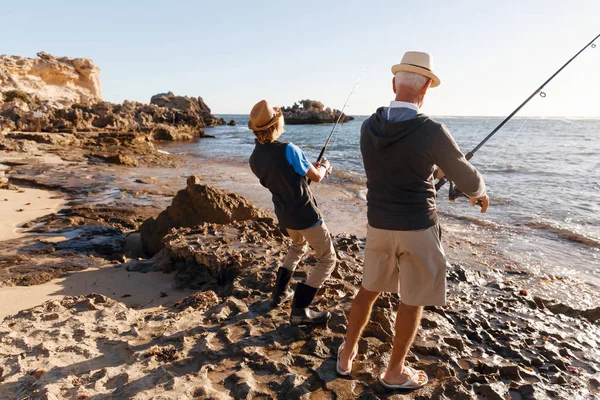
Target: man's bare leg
{"x":360,"y":312}
{"x":408,"y":319}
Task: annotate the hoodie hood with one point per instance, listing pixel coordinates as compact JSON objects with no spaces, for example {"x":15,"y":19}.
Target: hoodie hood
{"x":383,"y":133}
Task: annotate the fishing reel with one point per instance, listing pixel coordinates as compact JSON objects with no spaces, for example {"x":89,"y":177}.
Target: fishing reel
{"x":454,"y":193}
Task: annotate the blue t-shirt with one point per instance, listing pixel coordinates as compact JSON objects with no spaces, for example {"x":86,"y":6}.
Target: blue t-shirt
{"x":296,"y":158}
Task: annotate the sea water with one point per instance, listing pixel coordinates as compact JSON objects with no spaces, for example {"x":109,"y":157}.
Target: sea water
{"x":542,"y":176}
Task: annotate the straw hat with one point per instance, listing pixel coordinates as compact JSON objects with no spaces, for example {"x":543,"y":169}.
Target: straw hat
{"x":419,"y":63}
{"x":263,"y":116}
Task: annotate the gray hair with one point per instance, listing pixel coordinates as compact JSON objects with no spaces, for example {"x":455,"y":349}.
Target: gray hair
{"x":410,"y":80}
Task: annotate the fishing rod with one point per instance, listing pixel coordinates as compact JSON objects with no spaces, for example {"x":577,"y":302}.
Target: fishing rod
{"x":322,"y":153}
{"x":455,"y":193}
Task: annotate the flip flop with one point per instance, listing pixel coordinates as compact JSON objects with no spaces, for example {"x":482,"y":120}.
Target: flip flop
{"x":410,"y":384}
{"x":337,"y":364}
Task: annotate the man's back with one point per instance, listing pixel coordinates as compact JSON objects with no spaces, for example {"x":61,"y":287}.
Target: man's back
{"x":399,"y":160}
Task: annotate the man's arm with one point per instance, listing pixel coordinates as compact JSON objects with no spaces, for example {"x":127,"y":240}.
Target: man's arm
{"x":452,"y":163}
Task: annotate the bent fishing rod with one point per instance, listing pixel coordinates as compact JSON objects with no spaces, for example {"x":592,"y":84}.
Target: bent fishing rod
{"x":453,"y":194}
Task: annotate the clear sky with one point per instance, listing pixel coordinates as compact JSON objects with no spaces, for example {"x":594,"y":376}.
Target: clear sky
{"x":490,"y":55}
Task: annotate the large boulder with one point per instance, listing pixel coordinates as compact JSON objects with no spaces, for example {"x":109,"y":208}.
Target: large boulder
{"x":193,"y":206}
{"x":60,"y":80}
{"x":191,"y":105}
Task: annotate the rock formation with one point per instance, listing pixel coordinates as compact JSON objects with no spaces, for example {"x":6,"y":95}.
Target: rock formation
{"x":312,"y":112}
{"x":193,"y":206}
{"x":194,"y":106}
{"x":162,"y":123}
{"x":65,"y":93}
{"x":61,"y":81}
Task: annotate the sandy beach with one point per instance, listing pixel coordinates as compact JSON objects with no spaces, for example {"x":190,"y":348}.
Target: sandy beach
{"x":26,"y":204}
{"x":134,"y":289}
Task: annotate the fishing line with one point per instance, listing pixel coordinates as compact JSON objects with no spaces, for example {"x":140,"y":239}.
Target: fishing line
{"x":539,"y":91}
{"x":506,"y":147}
{"x":334,"y":138}
{"x":341,"y":114}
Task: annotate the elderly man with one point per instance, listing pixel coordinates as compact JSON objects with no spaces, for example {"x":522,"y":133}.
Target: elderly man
{"x":401,"y":149}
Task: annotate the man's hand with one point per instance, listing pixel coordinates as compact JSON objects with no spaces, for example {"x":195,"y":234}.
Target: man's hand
{"x":485,"y":202}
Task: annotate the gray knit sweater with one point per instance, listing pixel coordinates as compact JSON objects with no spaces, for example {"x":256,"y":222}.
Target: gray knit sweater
{"x":399,"y":160}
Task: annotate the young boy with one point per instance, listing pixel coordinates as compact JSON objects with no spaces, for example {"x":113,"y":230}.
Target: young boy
{"x":284,"y":170}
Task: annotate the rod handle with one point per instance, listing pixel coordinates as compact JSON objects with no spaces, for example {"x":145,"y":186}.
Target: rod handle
{"x":441,"y":183}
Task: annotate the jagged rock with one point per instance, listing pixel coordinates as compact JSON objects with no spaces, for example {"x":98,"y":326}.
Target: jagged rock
{"x":231,"y":123}
{"x":166,"y":132}
{"x":312,"y":112}
{"x":58,"y":139}
{"x":21,"y":146}
{"x":163,"y":354}
{"x":193,"y":206}
{"x":592,"y":314}
{"x":242,"y":384}
{"x":199,"y":301}
{"x":121,"y":159}
{"x":59,"y":80}
{"x":190,"y":105}
{"x":493,"y":391}
{"x":103,"y":240}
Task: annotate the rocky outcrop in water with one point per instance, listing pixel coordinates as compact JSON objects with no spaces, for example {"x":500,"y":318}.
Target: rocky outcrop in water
{"x":61,"y":81}
{"x":312,"y":112}
{"x":193,"y":206}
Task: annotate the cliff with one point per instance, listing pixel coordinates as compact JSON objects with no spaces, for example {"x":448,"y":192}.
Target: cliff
{"x":62,"y":94}
{"x":61,"y":81}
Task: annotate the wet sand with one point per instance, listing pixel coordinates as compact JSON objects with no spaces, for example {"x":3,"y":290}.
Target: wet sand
{"x":26,"y":204}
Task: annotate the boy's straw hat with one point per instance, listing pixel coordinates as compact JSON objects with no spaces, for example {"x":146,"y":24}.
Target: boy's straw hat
{"x":263,"y":116}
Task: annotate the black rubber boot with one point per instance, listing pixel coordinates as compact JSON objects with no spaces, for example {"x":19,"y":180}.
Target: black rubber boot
{"x":281,"y":292}
{"x":301,"y":315}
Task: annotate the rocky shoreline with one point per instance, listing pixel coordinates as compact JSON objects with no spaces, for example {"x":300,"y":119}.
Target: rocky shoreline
{"x":62,"y":95}
{"x":499,"y":337}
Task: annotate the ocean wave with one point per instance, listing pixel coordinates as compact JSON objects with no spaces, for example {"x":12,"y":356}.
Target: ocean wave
{"x":565,"y":233}
{"x":349,"y":176}
{"x":474,"y":220}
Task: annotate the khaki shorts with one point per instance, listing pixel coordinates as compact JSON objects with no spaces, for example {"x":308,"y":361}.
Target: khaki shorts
{"x":411,"y":263}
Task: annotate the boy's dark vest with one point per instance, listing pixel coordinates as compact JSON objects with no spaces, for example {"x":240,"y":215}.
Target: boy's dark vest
{"x":295,"y":205}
